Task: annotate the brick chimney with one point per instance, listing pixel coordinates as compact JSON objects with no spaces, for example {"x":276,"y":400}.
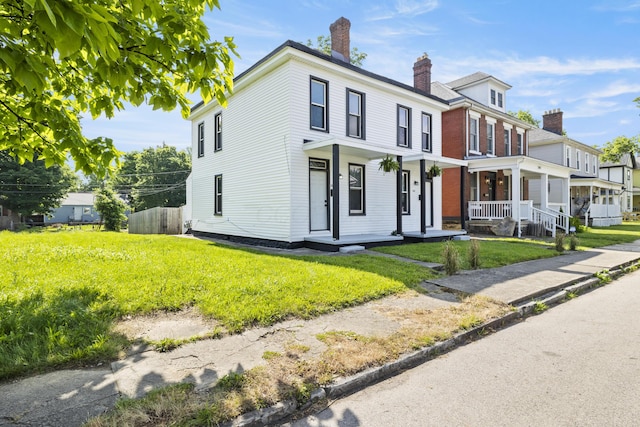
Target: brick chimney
{"x":422,"y":74}
{"x":552,"y":121}
{"x":340,"y":42}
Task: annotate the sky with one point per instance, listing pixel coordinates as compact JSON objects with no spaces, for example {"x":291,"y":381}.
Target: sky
{"x":581,"y":56}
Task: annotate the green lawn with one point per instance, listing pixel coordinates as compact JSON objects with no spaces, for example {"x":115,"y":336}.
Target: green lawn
{"x":605,"y":236}
{"x":60,"y":292}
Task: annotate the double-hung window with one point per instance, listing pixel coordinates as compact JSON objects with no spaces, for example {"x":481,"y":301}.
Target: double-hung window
{"x":355,"y":114}
{"x":405,"y":192}
{"x":493,"y":97}
{"x":319,"y":95}
{"x":356,"y":189}
{"x":201,"y":139}
{"x":500,"y":99}
{"x":218,"y":195}
{"x":218,"y":129}
{"x":520,"y":144}
{"x":404,"y":126}
{"x":578,"y":155}
{"x":426,"y":132}
{"x":586,"y":162}
{"x":595,"y":164}
{"x":490,"y":139}
{"x":473,"y":135}
{"x":568,"y":157}
{"x":507,"y":142}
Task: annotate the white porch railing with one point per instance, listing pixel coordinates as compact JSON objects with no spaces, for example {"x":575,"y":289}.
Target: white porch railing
{"x":546,"y":218}
{"x":562,"y":219}
{"x":602,"y":215}
{"x":498,"y":210}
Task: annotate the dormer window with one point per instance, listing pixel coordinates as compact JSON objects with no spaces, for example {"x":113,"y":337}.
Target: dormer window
{"x":500,"y":100}
{"x":493,"y":97}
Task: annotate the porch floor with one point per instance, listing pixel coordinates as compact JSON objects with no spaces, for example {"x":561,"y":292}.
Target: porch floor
{"x":327,"y":243}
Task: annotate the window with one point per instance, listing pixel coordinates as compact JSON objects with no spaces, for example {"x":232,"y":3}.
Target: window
{"x":319,"y":105}
{"x":200,"y":139}
{"x":490,"y":139}
{"x":499,"y":100}
{"x":595,"y":164}
{"x":473,"y":135}
{"x":520,"y":144}
{"x":405,"y":191}
{"x":474,"y":187}
{"x":218,"y":135}
{"x":578,"y":155}
{"x":355,"y":114}
{"x":507,"y":142}
{"x":426,"y":132}
{"x":493,"y":97}
{"x":86,"y":211}
{"x":218,"y":195}
{"x":586,"y":162}
{"x":356,"y":189}
{"x":568,"y":156}
{"x":404,"y":126}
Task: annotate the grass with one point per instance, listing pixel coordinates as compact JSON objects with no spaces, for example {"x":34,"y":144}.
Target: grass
{"x":595,"y":237}
{"x":492,"y":252}
{"x":61,"y":292}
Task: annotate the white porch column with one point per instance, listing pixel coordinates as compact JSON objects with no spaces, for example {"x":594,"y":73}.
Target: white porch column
{"x":566,"y":195}
{"x":515,"y":197}
{"x":544,"y":192}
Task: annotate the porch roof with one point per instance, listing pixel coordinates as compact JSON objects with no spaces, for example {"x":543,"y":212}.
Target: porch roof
{"x":595,"y":182}
{"x":527,"y":165}
{"x":373,"y":151}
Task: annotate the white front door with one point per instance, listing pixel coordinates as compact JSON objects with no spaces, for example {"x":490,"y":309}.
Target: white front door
{"x":77,"y":213}
{"x":318,"y":195}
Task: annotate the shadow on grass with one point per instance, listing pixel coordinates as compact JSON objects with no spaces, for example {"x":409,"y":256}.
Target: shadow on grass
{"x":63,"y":329}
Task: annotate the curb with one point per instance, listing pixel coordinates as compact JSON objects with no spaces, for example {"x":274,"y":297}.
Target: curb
{"x":553,"y":296}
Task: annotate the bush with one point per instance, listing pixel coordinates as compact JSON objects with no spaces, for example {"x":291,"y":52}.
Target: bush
{"x":474,"y":254}
{"x":574,"y":221}
{"x":559,"y":245}
{"x":111,"y":209}
{"x":573,"y":242}
{"x":451,"y":258}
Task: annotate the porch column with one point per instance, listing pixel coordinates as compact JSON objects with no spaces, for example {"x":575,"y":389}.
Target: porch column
{"x":423,"y":200}
{"x":515,"y":197}
{"x":335,"y":184}
{"x":399,"y":197}
{"x":544,"y":192}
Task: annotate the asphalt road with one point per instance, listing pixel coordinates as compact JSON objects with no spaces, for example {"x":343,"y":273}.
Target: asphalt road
{"x":577,"y":364}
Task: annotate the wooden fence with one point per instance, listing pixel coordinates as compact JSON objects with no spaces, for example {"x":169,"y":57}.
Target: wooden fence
{"x":156,"y":221}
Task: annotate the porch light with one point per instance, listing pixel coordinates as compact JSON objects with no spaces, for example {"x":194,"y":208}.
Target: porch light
{"x":500,"y":181}
{"x":487,"y":180}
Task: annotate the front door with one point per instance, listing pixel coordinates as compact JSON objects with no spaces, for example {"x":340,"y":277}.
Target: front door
{"x":318,"y":194}
{"x":77,"y":213}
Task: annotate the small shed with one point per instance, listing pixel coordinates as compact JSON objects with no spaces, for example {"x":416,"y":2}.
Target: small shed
{"x":156,"y":220}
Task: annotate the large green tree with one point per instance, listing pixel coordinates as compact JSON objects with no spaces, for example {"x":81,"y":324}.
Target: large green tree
{"x":614,"y":150}
{"x":154,"y":177}
{"x":62,"y":58}
{"x":525,"y":116}
{"x":32,"y":188}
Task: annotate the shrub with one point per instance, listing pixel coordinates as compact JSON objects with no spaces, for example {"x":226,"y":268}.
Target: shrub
{"x":111,"y":209}
{"x":559,"y":245}
{"x":451,"y":258}
{"x":573,"y":242}
{"x":575,"y":222}
{"x":474,"y":254}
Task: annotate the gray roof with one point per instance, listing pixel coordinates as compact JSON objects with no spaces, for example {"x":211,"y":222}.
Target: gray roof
{"x":624,"y":161}
{"x":542,"y":135}
{"x":78,"y":199}
{"x":443,"y":91}
{"x":476,"y":77}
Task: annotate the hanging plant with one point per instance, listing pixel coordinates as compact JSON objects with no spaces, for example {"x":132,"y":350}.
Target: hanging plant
{"x":434,"y":170}
{"x":389,"y":164}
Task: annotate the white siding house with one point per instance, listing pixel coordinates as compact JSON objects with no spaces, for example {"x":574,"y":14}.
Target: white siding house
{"x":294,"y":158}
{"x":621,"y":173}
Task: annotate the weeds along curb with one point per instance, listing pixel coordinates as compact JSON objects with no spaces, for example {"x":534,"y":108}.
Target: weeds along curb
{"x":359,"y":381}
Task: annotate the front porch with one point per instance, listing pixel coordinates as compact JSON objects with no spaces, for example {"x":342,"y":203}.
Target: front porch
{"x":329,"y":244}
{"x":596,"y":201}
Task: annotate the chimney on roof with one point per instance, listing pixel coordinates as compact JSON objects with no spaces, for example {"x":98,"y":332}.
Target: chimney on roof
{"x":422,"y":74}
{"x":340,"y":41}
{"x":552,"y":121}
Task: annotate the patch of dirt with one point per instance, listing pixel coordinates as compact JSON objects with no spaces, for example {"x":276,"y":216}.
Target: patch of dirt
{"x":182,"y":324}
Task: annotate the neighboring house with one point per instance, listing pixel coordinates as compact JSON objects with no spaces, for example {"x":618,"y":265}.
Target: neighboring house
{"x":592,"y":198}
{"x":75,"y":208}
{"x":636,"y":186}
{"x":496,"y":182}
{"x":294,"y":158}
{"x":621,"y":173}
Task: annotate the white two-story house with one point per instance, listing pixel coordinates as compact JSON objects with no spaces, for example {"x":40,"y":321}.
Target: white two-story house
{"x":592,"y":197}
{"x":621,"y":172}
{"x":294,"y":158}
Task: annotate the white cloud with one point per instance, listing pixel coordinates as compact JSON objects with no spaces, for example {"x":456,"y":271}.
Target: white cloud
{"x":415,"y":7}
{"x":616,"y":88}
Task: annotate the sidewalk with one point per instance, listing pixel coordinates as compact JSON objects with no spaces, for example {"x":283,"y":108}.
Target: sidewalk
{"x":68,"y":398}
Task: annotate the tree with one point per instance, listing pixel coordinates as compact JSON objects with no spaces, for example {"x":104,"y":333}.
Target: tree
{"x":59,"y":59}
{"x":32,"y":188}
{"x":323,"y":44}
{"x":525,"y":116}
{"x":155,"y":177}
{"x":621,"y":145}
{"x":111,"y":208}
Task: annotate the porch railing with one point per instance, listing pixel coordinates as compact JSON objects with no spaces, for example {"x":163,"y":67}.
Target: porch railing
{"x":546,"y":218}
{"x":498,"y":210}
{"x":597,"y":210}
{"x":562,"y":219}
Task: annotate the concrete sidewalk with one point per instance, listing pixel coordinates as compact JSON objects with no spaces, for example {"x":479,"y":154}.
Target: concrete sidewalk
{"x":70,"y":397}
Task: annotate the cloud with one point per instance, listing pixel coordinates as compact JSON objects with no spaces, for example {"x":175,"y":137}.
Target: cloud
{"x":616,"y":88}
{"x":617,"y":6}
{"x":592,"y":108}
{"x":402,"y":8}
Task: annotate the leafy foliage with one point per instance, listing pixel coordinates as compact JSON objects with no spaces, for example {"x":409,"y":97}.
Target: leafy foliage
{"x":525,"y":116}
{"x":613,"y":151}
{"x":111,"y":209}
{"x":323,"y":44}
{"x":59,"y":59}
{"x":32,"y":188}
{"x":154,"y":177}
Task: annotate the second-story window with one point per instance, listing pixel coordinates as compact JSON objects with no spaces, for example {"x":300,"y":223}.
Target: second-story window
{"x":426,"y":132}
{"x":200,"y":139}
{"x":520,"y":144}
{"x":507,"y":142}
{"x":355,"y":114}
{"x":499,"y":99}
{"x":473,"y":135}
{"x":319,"y":105}
{"x":568,"y":157}
{"x":490,"y":139}
{"x":595,"y":164}
{"x":493,"y":97}
{"x":405,"y":191}
{"x":404,"y":126}
{"x":218,"y":136}
{"x":578,"y":155}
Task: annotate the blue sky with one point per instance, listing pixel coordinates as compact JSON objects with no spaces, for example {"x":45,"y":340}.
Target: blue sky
{"x":580,"y":56}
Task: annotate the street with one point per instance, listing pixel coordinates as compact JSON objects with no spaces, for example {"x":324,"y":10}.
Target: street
{"x":577,"y":364}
